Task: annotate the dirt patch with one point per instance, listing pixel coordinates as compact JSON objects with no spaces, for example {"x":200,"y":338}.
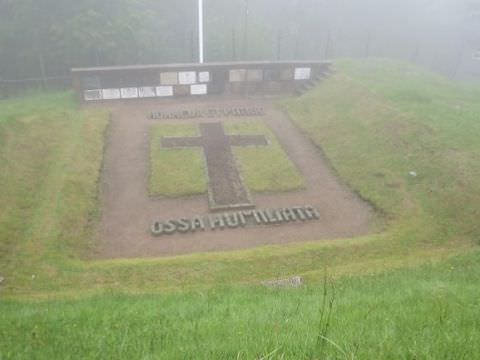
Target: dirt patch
{"x":129,"y":211}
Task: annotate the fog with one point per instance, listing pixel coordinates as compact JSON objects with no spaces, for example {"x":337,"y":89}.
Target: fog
{"x":44,"y":39}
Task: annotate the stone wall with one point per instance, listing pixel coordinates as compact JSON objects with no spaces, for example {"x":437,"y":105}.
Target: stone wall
{"x":163,"y":81}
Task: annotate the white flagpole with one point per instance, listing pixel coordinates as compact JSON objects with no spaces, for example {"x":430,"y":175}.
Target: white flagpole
{"x":200,"y":30}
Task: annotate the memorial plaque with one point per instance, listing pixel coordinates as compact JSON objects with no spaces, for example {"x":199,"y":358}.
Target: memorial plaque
{"x":129,"y":93}
{"x":169,"y":78}
{"x":198,"y":89}
{"x":187,"y":77}
{"x":111,"y":94}
{"x":204,"y":77}
{"x":255,"y":75}
{"x":181,"y":90}
{"x":163,"y":91}
{"x":238,"y":75}
{"x":147,"y":92}
{"x":93,"y":95}
{"x":286,"y":75}
{"x":302,"y":73}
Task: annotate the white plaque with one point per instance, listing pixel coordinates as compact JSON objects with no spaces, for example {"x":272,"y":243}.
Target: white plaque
{"x":111,"y":94}
{"x":147,"y":92}
{"x":204,"y":77}
{"x":169,"y":78}
{"x":187,"y":77}
{"x":199,"y":89}
{"x":238,"y":75}
{"x":129,"y":93}
{"x":164,"y":91}
{"x":303,"y":73}
{"x":92,"y":95}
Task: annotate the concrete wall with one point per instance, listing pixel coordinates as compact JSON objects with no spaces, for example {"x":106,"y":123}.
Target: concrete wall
{"x":163,"y":81}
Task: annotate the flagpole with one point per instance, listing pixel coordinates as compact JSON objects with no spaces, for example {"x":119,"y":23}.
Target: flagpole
{"x":200,"y":31}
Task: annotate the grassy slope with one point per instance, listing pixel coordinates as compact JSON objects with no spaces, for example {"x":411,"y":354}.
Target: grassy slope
{"x":50,"y":157}
{"x":427,"y":313}
{"x":374,"y":131}
{"x":394,"y":120}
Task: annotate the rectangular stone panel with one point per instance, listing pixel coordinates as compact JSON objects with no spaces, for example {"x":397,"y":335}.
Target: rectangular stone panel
{"x":198,"y":89}
{"x":129,"y":93}
{"x":302,"y":73}
{"x":181,"y":90}
{"x":187,"y":77}
{"x":147,"y":92}
{"x":163,"y":91}
{"x":274,"y":87}
{"x":271,"y":75}
{"x":204,"y":76}
{"x":238,"y":75}
{"x":91,"y":83}
{"x":286,"y":75}
{"x":169,"y":78}
{"x":255,"y":75}
{"x":93,"y":95}
{"x":111,"y":94}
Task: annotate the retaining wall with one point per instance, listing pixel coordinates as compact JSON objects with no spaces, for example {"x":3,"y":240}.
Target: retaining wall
{"x":173,"y":80}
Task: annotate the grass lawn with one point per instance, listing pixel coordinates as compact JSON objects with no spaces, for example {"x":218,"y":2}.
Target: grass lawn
{"x":430,"y":312}
{"x":265,"y":169}
{"x":408,"y":291}
{"x":180,"y":172}
{"x":175,"y":172}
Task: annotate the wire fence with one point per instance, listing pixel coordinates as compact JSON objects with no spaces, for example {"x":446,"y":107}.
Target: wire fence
{"x":17,"y":87}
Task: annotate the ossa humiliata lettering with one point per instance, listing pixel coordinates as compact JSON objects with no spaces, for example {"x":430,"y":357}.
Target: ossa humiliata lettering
{"x":234,"y":220}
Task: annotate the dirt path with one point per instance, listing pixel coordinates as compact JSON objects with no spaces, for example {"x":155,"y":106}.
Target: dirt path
{"x":128,"y":211}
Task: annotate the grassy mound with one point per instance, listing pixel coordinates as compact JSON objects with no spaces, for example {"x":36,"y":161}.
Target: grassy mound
{"x":405,"y":140}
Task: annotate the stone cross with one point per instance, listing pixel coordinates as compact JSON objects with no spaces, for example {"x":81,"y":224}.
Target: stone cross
{"x":225,"y":186}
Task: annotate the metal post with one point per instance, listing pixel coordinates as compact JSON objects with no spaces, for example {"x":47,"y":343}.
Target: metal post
{"x":245,"y":31}
{"x":200,"y":30}
{"x":234,"y":45}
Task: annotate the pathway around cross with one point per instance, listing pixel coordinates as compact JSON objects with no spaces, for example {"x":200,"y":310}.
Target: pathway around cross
{"x":226,"y":189}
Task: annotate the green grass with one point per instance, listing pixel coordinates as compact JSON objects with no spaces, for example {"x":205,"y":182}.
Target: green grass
{"x":51,"y":153}
{"x":180,"y":172}
{"x":50,"y":159}
{"x":430,"y":312}
{"x":376,"y":121}
{"x":265,"y":169}
{"x":391,"y":132}
{"x":175,"y":172}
